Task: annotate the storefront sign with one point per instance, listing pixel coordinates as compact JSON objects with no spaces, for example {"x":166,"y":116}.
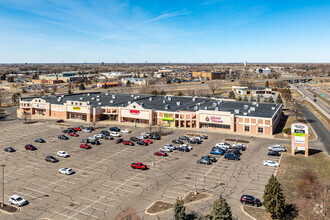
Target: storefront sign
{"x":167,"y":115}
{"x":135,"y":112}
{"x":76,"y":108}
{"x":299,"y":136}
{"x":38,"y":106}
{"x":213,"y":119}
{"x":167,"y":119}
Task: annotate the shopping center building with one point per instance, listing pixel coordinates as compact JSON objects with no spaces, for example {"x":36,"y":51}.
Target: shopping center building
{"x":171,"y":111}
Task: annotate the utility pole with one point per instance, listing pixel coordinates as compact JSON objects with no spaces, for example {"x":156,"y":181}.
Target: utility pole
{"x":196,"y":180}
{"x":3,"y":185}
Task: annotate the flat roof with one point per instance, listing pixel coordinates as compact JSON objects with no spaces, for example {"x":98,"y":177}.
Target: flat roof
{"x":166,"y":103}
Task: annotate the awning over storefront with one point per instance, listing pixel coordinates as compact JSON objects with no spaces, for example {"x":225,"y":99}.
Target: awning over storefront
{"x":167,"y":119}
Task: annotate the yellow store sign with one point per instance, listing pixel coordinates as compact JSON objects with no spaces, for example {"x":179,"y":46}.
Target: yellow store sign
{"x":76,"y":108}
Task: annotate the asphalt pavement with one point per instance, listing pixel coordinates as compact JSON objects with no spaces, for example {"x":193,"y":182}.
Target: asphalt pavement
{"x":318,"y":127}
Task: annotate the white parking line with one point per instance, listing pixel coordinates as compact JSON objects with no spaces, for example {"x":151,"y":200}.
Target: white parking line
{"x":58,"y":213}
{"x":84,"y":213}
{"x":98,"y":209}
{"x":169,"y":196}
{"x":99,"y":202}
{"x":125,"y":190}
{"x":29,"y":195}
{"x":35,"y":190}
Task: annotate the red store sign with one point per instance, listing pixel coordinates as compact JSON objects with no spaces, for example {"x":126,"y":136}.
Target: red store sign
{"x":136,"y":112}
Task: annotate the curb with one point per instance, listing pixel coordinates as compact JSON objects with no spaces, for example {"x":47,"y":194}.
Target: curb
{"x":279,"y":162}
{"x":10,"y":213}
{"x":247,"y":214}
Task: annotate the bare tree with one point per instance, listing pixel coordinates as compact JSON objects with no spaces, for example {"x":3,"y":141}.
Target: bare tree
{"x":214,"y":85}
{"x":3,"y":97}
{"x":150,"y":127}
{"x":128,"y":214}
{"x":26,"y":117}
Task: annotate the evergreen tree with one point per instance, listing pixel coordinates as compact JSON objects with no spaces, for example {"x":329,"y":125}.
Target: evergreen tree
{"x":279,"y":99}
{"x":105,"y":86}
{"x":267,"y":84}
{"x":239,"y":99}
{"x":81,"y":86}
{"x":10,"y":79}
{"x":274,"y":200}
{"x":252,"y":99}
{"x":271,"y":100}
{"x":220,"y":210}
{"x":232,"y":95}
{"x":70,"y":92}
{"x":258,"y":99}
{"x":154,"y":92}
{"x":180,"y":94}
{"x":179,"y":81}
{"x":15,"y":97}
{"x":245,"y":99}
{"x":3,"y":77}
{"x":162,"y":92}
{"x":179,"y":210}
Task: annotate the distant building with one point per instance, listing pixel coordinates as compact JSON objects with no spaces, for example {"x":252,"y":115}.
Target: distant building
{"x":134,"y":81}
{"x":253,"y":91}
{"x":265,"y":71}
{"x":109,"y":84}
{"x":65,"y":77}
{"x":210,"y":75}
{"x":112,"y":75}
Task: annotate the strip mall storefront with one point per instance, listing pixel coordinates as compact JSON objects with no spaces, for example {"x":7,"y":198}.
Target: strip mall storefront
{"x":136,"y":116}
{"x":216,"y":120}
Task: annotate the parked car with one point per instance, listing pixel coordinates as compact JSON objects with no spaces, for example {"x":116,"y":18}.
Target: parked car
{"x":17,"y":200}
{"x":247,"y":199}
{"x":51,"y":159}
{"x":145,"y":134}
{"x":101,"y":136}
{"x":90,"y":128}
{"x":127,"y":142}
{"x":93,"y":138}
{"x":69,"y":130}
{"x":235,"y":151}
{"x":147,"y":141}
{"x":204,"y":161}
{"x":223,"y":145}
{"x":67,"y":171}
{"x":194,"y":141}
{"x":161,"y":153}
{"x":210,"y":158}
{"x":73,"y":134}
{"x":239,"y":147}
{"x":63,"y":154}
{"x":139,"y":166}
{"x":203,"y":136}
{"x":186,"y":145}
{"x":86,"y":146}
{"x":108,"y":137}
{"x":167,"y":149}
{"x":142,"y":143}
{"x":218,"y":152}
{"x":184,"y":149}
{"x":115,"y":134}
{"x":274,"y":153}
{"x":105,"y":133}
{"x":79,"y":128}
{"x":230,"y":156}
{"x":114,"y":129}
{"x":118,"y":141}
{"x":170,"y":146}
{"x":86,"y":130}
{"x":184,"y":138}
{"x":40,"y":140}
{"x":154,"y":137}
{"x":30,"y":147}
{"x":126,"y":131}
{"x":84,"y":141}
{"x":270,"y":163}
{"x":134,"y":139}
{"x":59,"y":121}
{"x":177,"y":141}
{"x":95,"y":142}
{"x":63,"y":137}
{"x":9,"y":149}
{"x":277,"y":148}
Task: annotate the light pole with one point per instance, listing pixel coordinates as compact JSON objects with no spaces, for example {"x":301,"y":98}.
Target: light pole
{"x":3,"y":185}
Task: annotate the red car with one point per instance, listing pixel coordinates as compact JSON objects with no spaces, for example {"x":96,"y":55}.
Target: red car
{"x":73,"y":134}
{"x":30,"y":147}
{"x":139,"y":166}
{"x":147,"y":141}
{"x":119,"y":141}
{"x":126,"y":142}
{"x":77,"y":128}
{"x":85,"y":146}
{"x":161,"y":153}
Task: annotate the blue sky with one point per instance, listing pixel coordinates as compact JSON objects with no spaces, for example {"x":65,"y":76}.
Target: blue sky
{"x":164,"y":31}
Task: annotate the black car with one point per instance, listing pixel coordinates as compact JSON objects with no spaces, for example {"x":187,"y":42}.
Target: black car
{"x":142,"y":143}
{"x":95,"y":142}
{"x":105,"y":133}
{"x":114,"y":129}
{"x":154,"y":137}
{"x":274,"y":153}
{"x":118,"y":141}
{"x":184,"y":138}
{"x":134,"y":139}
{"x":69,"y":130}
{"x":194,"y":141}
{"x":177,"y":141}
{"x":235,"y":151}
{"x":90,"y":128}
{"x":203,"y":137}
{"x":230,"y":156}
{"x":40,"y":140}
{"x":239,"y":147}
{"x":51,"y":159}
{"x":63,"y":137}
{"x":210,"y":158}
{"x":184,"y":149}
{"x":9,"y":149}
{"x":108,"y":137}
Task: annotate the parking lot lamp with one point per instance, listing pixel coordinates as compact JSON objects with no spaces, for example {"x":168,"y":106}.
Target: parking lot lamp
{"x":3,"y":185}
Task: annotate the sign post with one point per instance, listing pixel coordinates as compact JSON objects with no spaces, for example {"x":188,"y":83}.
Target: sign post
{"x":299,"y":138}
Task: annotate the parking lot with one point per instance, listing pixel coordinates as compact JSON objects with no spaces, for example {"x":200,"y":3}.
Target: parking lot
{"x":104,"y":183}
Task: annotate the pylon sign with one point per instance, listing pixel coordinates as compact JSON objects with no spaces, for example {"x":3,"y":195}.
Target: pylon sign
{"x":299,"y":138}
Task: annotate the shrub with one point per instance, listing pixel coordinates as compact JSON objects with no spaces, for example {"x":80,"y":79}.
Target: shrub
{"x":287,"y":130}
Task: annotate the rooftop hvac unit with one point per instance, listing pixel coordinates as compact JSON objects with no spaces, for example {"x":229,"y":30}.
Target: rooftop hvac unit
{"x":254,"y":103}
{"x":92,"y":98}
{"x":167,"y":107}
{"x":142,"y":104}
{"x":194,"y":99}
{"x":135,"y":97}
{"x":257,"y":104}
{"x":98,"y":100}
{"x":216,"y":109}
{"x":62,"y":96}
{"x":150,"y":99}
{"x":169,"y":98}
{"x":178,"y":103}
{"x":199,"y":104}
{"x":97,"y":96}
{"x":88,"y":103}
{"x":215,"y":104}
{"x":123,"y":105}
{"x":88,"y":94}
{"x":132,"y":96}
{"x":195,"y":107}
{"x":106,"y":93}
{"x":246,"y":106}
{"x":100,"y":103}
{"x":111,"y":101}
{"x":164,"y":101}
{"x":129,"y":102}
{"x":245,"y":113}
{"x":236,"y":111}
{"x":252,"y":109}
{"x":249,"y":111}
{"x":205,"y":108}
{"x":81,"y":98}
{"x":273,"y":108}
{"x":113,"y":96}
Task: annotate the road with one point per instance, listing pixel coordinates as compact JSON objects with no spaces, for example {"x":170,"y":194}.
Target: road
{"x":321,"y":131}
{"x":320,"y":105}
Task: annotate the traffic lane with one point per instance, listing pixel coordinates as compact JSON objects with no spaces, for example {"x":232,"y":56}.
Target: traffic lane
{"x":321,"y":131}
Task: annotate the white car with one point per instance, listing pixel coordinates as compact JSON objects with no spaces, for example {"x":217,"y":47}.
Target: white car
{"x":114,"y":134}
{"x":166,"y":149}
{"x":86,"y":130}
{"x":67,"y":171}
{"x":126,"y":131}
{"x":140,"y":137}
{"x":276,"y":148}
{"x":17,"y":200}
{"x":93,"y":138}
{"x":63,"y":154}
{"x":270,"y":163}
{"x":145,"y":134}
{"x":186,"y":145}
{"x":99,"y":136}
{"x":170,"y":146}
{"x":223,"y":145}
